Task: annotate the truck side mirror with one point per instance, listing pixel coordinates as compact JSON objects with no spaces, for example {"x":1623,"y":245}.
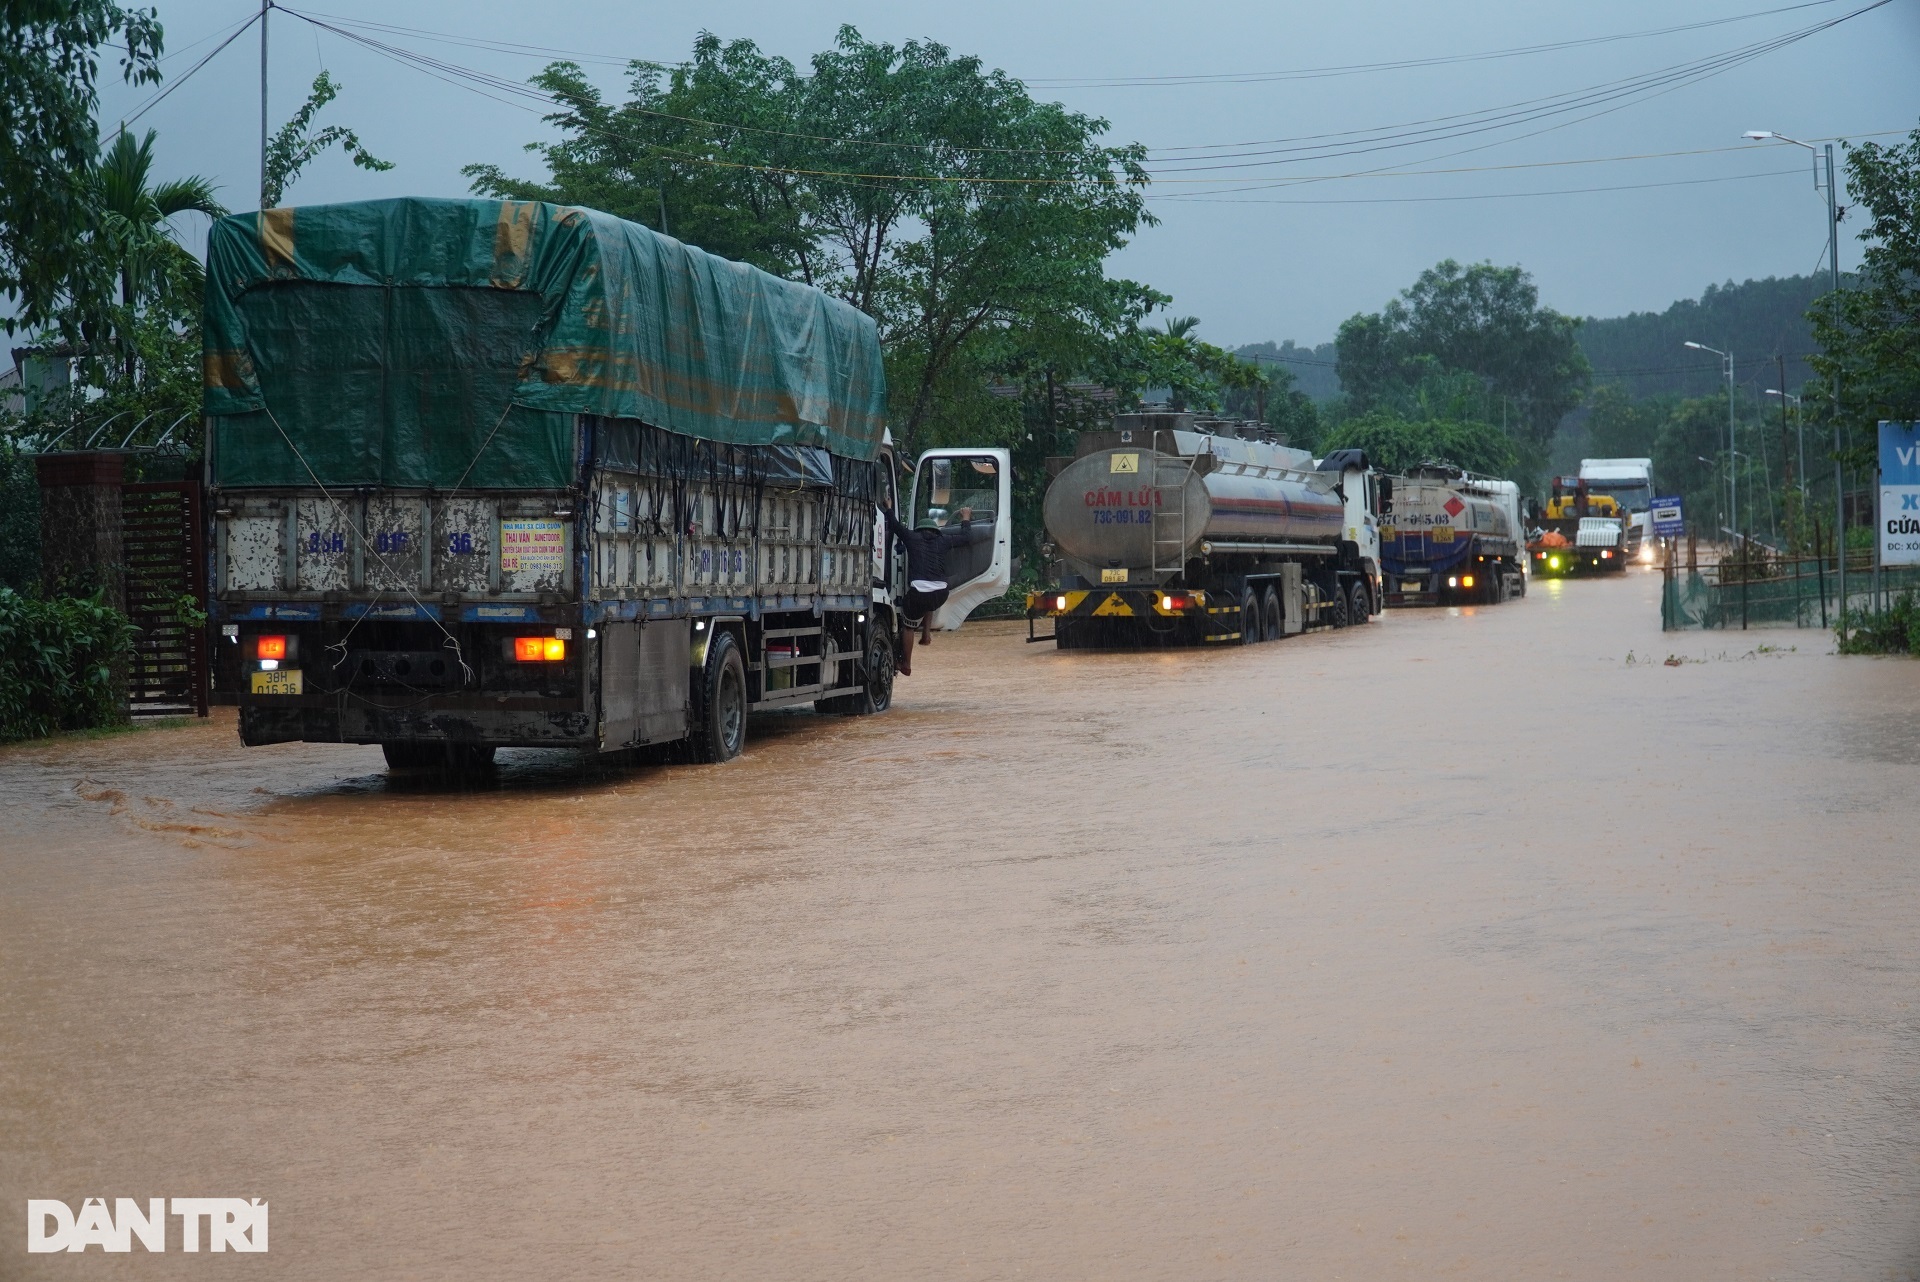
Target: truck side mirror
{"x":1386,"y":495}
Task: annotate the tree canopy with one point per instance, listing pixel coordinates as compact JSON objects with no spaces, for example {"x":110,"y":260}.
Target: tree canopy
{"x":1483,"y":321}
{"x":969,"y":220}
{"x":1871,"y":340}
{"x":49,"y":66}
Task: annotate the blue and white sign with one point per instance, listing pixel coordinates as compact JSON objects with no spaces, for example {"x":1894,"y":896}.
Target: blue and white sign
{"x":1669,"y":521}
{"x":1900,"y":493}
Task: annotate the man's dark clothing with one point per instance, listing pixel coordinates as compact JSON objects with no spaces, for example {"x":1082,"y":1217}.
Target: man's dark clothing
{"x":926,"y":563}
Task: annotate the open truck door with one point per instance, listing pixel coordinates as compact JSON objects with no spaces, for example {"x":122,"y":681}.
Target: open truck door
{"x":980,"y":479}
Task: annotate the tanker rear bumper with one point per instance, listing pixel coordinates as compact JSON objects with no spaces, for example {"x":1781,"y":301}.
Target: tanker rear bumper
{"x":1165,"y":615}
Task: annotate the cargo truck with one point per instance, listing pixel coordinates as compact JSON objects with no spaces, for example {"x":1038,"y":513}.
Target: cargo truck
{"x":495,"y":473}
{"x":1450,"y":536}
{"x":1160,"y":532}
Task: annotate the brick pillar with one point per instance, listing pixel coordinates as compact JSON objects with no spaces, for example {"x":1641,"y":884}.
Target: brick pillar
{"x":80,"y":525}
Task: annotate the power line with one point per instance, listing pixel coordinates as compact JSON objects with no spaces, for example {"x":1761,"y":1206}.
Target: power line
{"x":455,"y":73}
{"x":1351,"y":142}
{"x":155,"y":100}
{"x":1498,"y":195}
{"x":1405,"y":64}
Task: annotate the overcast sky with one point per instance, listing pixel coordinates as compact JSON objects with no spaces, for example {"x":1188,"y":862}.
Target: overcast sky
{"x":1253,"y":261}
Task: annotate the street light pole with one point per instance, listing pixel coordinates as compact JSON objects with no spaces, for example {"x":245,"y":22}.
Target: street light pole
{"x":1733,"y":491}
{"x":1833,"y":269}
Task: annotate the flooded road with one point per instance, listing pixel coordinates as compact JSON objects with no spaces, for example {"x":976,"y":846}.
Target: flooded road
{"x":1477,"y":943}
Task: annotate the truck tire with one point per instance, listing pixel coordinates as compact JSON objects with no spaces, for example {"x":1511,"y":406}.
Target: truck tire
{"x":1359,"y":604}
{"x":1270,"y":616}
{"x":1249,"y":617}
{"x":876,"y":692}
{"x":1336,"y":610}
{"x":720,"y":730}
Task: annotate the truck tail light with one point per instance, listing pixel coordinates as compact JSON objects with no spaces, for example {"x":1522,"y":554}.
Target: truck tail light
{"x":1466,"y":581}
{"x":269,"y":647}
{"x":539,"y":649}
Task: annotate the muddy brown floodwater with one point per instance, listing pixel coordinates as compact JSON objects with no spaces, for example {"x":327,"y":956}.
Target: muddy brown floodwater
{"x":1472,"y":943}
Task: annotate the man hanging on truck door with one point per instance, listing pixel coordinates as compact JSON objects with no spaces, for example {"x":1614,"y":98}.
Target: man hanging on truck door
{"x":926,"y":573}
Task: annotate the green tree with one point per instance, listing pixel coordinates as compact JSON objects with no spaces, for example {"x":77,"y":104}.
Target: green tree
{"x":296,"y":144}
{"x":1620,"y":427}
{"x":1399,"y":444}
{"x":1693,"y":430}
{"x":1481,"y":320}
{"x":1873,"y":345}
{"x":931,"y":193}
{"x":136,"y":233}
{"x":49,"y":62}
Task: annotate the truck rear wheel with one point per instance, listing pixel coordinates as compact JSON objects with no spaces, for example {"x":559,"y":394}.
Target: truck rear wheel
{"x":721,"y":729}
{"x":1336,"y":611}
{"x":1359,"y":604}
{"x":1270,"y":616}
{"x":1250,"y":618}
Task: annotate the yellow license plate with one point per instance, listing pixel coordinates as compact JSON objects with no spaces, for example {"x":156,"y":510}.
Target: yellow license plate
{"x":1440,"y":534}
{"x":285,"y":681}
{"x":1113,"y":576}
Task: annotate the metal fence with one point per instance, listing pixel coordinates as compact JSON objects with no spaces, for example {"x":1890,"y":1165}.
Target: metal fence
{"x":1776,"y":592}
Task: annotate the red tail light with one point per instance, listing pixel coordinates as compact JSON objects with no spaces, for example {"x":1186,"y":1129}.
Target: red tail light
{"x":269,"y":647}
{"x":539,"y":649}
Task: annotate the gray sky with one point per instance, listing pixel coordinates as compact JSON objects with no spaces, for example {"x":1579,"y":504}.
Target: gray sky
{"x":1228,"y":250}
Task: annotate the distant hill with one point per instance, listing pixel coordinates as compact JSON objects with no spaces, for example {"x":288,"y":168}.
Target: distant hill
{"x":1645,"y":352}
{"x":1311,"y":367}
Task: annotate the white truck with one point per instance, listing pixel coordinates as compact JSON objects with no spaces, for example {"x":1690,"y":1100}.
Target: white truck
{"x":1630,"y":483}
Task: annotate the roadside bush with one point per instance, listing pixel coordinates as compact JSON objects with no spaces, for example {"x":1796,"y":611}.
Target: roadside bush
{"x":1895,"y":630}
{"x":62,"y":664}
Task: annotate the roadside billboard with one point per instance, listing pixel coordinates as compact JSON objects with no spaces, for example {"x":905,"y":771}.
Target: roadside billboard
{"x":1900,"y":493}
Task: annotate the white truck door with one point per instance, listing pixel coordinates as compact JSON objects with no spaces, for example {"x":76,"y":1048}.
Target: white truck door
{"x":981,"y":480}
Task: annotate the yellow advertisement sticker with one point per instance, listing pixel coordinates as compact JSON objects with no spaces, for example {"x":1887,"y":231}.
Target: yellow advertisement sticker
{"x":1125,"y":463}
{"x":1440,"y":534}
{"x":285,"y":681}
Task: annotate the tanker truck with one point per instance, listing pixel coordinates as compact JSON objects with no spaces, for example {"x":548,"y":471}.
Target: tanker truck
{"x":1452,"y":538}
{"x":1161,"y":532}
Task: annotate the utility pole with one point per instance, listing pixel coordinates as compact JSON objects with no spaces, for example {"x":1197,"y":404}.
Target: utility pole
{"x":1839,"y":484}
{"x":1833,"y":267}
{"x":1786,"y":456}
{"x":1733,"y":454}
{"x":264,"y":6}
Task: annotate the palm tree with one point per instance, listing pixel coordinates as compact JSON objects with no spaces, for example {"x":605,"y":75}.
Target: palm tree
{"x":150,"y":261}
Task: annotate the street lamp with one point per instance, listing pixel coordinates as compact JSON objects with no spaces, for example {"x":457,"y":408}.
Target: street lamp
{"x":1833,"y":268}
{"x":1799,"y":433}
{"x":1733,"y":494}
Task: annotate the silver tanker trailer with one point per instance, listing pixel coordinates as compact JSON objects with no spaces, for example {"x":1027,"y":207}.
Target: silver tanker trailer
{"x":1453,"y":537}
{"x":1160,"y":531}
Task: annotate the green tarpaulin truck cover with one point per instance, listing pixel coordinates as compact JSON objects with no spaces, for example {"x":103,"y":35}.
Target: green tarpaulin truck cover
{"x":442,"y":343}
